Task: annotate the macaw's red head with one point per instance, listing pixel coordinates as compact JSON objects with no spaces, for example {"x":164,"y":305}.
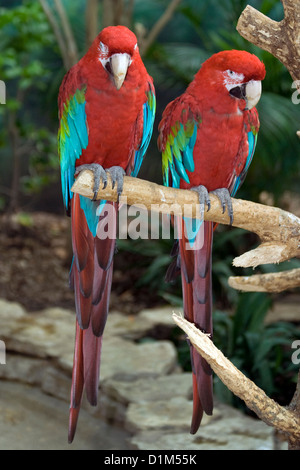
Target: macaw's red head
{"x":233,"y":74}
{"x":115,"y":48}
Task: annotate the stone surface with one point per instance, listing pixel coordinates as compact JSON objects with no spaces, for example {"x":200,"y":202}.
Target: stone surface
{"x":289,"y":312}
{"x":144,"y":400}
{"x":50,"y":334}
{"x":46,"y":334}
{"x":149,"y":389}
{"x":128,"y":360}
{"x":174,"y":413}
{"x":230,"y":430}
{"x":146,"y":323}
{"x":31,"y":420}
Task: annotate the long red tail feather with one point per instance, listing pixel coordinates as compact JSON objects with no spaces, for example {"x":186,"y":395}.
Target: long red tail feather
{"x":91,"y":278}
{"x":197,"y":301}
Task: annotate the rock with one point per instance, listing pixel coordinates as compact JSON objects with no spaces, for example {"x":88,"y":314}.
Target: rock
{"x":125,"y":326}
{"x":141,"y":389}
{"x":152,"y":322}
{"x":125,"y":360}
{"x":171,"y":414}
{"x":231,"y":430}
{"x":29,"y":370}
{"x":49,"y":333}
{"x":31,"y":420}
{"x":149,"y":389}
{"x":57,"y":383}
{"x":284,"y":311}
{"x":158,"y":316}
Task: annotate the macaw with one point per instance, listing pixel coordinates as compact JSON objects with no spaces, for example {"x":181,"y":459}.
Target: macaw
{"x":207,"y":137}
{"x":106,"y":113}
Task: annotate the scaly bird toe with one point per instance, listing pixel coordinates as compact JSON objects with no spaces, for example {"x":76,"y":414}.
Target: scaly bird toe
{"x":203,"y":195}
{"x":117,"y":174}
{"x":99,"y":174}
{"x":224,"y":197}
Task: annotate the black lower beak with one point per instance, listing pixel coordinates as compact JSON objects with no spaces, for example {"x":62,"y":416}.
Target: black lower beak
{"x":239,"y":91}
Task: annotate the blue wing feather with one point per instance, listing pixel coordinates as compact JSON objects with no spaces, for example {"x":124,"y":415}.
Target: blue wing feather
{"x":252,"y":140}
{"x":149,"y":109}
{"x":72,"y":139}
{"x":178,"y":158}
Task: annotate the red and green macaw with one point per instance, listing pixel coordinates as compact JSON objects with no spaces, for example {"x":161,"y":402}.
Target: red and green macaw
{"x":106,"y":112}
{"x":207,"y":139}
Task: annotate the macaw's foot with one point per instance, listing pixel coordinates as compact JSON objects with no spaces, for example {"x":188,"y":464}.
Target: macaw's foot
{"x":203,"y":196}
{"x":100,"y":174}
{"x":117,"y":176}
{"x":222,"y":194}
{"x":224,"y":197}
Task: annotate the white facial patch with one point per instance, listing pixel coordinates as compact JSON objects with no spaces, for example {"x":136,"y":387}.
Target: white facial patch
{"x":232,"y":79}
{"x":104,"y":57}
{"x":103,"y":54}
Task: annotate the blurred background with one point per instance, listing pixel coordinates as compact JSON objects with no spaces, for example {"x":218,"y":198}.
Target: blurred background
{"x":39,"y":42}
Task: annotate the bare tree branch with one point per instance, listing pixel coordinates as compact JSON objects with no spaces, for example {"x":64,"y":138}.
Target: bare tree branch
{"x":159,"y":26}
{"x":273,"y":282}
{"x":91,"y":21}
{"x":279,"y":38}
{"x":278,"y":230}
{"x":69,"y":37}
{"x":57,"y":33}
{"x":284,"y":420}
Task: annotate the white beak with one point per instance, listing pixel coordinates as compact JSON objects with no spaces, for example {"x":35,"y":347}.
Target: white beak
{"x":253,"y":93}
{"x":119,"y":65}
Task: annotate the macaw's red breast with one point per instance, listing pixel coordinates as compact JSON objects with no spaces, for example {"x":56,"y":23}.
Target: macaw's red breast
{"x":218,"y":150}
{"x":114,"y":117}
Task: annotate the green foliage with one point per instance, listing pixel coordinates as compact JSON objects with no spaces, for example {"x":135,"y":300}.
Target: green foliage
{"x":26,"y":42}
{"x":31,"y":66}
{"x":43,"y":164}
{"x":21,"y":44}
{"x":261,"y":351}
{"x":203,"y":28}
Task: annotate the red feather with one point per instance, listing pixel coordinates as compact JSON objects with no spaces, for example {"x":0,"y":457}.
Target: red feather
{"x":220,"y":154}
{"x":114,"y":122}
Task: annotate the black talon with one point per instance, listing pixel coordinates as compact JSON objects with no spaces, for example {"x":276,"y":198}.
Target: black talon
{"x":224,"y":197}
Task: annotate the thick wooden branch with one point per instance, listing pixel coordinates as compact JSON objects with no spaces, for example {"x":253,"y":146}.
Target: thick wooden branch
{"x":278,"y":230}
{"x":281,"y":39}
{"x":272,"y":282}
{"x":284,"y":420}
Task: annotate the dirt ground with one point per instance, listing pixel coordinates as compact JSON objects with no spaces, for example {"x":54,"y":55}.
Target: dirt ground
{"x":35,"y":257}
